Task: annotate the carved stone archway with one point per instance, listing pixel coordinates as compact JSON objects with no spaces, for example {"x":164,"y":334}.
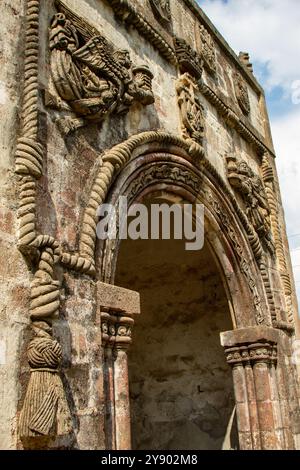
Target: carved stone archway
{"x":255,"y":350}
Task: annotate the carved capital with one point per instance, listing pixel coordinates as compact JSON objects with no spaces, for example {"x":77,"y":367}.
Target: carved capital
{"x":252,"y":354}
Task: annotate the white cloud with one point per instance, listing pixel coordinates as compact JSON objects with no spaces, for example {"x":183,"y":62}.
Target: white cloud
{"x":267,"y":29}
{"x":287,"y":143}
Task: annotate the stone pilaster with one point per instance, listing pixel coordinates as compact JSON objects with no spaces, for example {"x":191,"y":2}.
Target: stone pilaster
{"x":263,"y":420}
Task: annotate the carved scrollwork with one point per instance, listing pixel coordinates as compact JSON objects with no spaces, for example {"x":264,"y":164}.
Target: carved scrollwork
{"x":241,"y":92}
{"x":167,"y":173}
{"x":250,"y":186}
{"x":90,"y":75}
{"x":243,"y":261}
{"x":191,"y":109}
{"x":208,"y":51}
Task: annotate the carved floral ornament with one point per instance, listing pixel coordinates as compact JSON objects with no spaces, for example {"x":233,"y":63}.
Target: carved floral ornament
{"x":92,"y":77}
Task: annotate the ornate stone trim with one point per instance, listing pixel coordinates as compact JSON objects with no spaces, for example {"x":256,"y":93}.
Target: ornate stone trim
{"x":203,"y":19}
{"x":241,"y":92}
{"x":93,"y":78}
{"x":188,"y":59}
{"x":191,"y":109}
{"x":162,"y":11}
{"x":269,"y":182}
{"x":233,"y":120}
{"x":249,"y":185}
{"x":45,"y":410}
{"x":208,"y":52}
{"x":128,"y":14}
{"x":252,"y":353}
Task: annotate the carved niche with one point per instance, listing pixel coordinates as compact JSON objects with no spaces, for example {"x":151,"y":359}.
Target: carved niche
{"x":191,"y":109}
{"x":241,"y":92}
{"x":208,"y":51}
{"x":188,"y":59}
{"x":90,"y":76}
{"x":250,"y":186}
{"x":162,"y":11}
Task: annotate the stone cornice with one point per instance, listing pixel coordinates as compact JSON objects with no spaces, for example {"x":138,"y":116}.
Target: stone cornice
{"x":203,"y":18}
{"x":128,"y":13}
{"x":245,"y":129}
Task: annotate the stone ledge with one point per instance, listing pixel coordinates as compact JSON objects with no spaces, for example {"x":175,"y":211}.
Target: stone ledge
{"x":250,"y":335}
{"x":118,"y":299}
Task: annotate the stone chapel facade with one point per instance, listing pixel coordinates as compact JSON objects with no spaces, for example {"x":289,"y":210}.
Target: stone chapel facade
{"x":138,"y":344}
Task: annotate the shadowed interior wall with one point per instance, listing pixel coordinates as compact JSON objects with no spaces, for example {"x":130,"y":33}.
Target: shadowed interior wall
{"x":180,"y":385}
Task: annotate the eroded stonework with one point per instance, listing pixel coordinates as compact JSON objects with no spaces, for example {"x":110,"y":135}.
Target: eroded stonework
{"x":103,"y":100}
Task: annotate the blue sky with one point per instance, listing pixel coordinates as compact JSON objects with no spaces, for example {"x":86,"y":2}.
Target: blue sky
{"x":269,"y":31}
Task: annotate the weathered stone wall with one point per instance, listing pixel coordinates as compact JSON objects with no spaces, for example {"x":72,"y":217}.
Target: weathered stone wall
{"x":71,"y":161}
{"x":180,"y":385}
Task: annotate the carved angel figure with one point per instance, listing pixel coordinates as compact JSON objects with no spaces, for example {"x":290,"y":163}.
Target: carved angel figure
{"x":93,"y":78}
{"x":251,"y":188}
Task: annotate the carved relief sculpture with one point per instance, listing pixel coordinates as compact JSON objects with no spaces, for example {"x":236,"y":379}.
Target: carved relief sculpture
{"x":241,"y":92}
{"x":188,"y":59}
{"x":92,"y":77}
{"x":250,"y":187}
{"x":191,"y":109}
{"x":161,"y":9}
{"x":208,"y":51}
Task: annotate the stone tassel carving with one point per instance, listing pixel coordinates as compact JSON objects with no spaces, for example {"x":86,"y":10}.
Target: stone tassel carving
{"x":45,"y":410}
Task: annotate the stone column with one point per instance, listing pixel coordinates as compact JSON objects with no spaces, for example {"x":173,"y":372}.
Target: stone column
{"x":118,"y":306}
{"x":121,"y":383}
{"x":252,"y":353}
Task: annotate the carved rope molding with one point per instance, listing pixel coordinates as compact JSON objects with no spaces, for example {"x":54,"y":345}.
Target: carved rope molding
{"x":269,"y":182}
{"x":45,"y":394}
{"x":45,"y":410}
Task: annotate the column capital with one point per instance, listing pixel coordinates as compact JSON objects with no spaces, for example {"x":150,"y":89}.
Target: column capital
{"x":251,"y":345}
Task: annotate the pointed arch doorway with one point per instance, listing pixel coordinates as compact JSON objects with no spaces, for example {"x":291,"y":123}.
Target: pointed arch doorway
{"x":181,"y":391}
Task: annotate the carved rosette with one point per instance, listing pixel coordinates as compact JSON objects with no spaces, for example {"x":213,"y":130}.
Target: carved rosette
{"x":162,"y":11}
{"x":208,"y":52}
{"x":191,"y":109}
{"x":91,"y":77}
{"x":241,"y":92}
